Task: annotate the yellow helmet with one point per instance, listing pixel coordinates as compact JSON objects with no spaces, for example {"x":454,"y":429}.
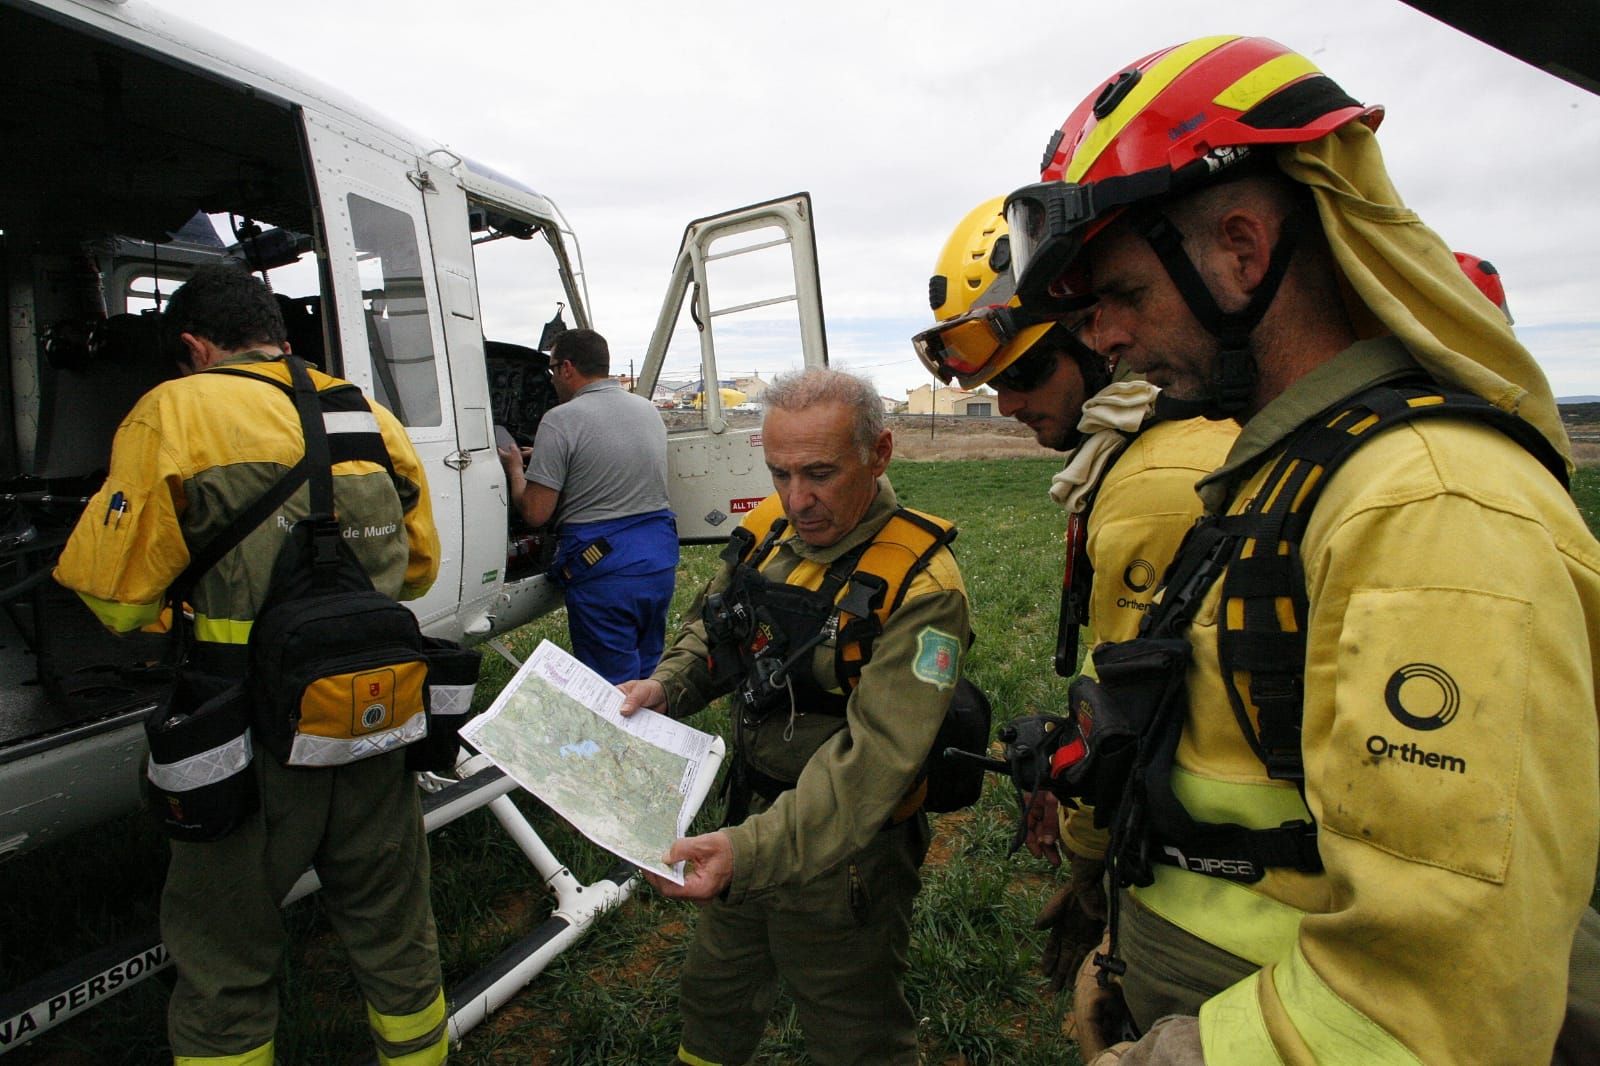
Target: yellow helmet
{"x":971,"y":284}
{"x":982,"y":330}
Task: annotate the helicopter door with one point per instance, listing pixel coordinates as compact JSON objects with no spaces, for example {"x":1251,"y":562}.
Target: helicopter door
{"x":766,"y":318}
{"x":387,"y":318}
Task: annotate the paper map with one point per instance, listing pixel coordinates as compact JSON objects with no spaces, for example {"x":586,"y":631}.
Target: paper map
{"x":622,"y":782}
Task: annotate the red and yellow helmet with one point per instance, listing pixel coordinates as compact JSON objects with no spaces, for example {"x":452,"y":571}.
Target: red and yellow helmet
{"x":1172,"y":122}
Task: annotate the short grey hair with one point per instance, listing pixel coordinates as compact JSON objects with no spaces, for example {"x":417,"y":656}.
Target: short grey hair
{"x":814,"y":385}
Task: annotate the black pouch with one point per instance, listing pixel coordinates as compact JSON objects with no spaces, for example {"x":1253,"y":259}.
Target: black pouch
{"x":452,"y":679}
{"x":955,"y":783}
{"x":200,"y":784}
{"x":1111,"y":714}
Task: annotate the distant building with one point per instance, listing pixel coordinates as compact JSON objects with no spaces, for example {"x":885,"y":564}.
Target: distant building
{"x":667,"y":393}
{"x":979,"y":404}
{"x":892,"y":406}
{"x":949,"y":400}
{"x":752,"y":387}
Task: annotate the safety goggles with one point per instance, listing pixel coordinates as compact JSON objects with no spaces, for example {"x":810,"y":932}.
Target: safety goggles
{"x":962,"y":346}
{"x":1049,"y":223}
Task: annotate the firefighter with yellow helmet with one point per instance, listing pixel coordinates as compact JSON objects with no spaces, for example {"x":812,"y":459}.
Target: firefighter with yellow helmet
{"x":1366,"y":699}
{"x":1127,"y":489}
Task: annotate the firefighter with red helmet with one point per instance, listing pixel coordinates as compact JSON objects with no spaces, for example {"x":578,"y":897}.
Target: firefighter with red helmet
{"x":1366,"y":700}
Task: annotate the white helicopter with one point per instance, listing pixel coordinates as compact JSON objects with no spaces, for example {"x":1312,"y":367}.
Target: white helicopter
{"x":152,"y":146}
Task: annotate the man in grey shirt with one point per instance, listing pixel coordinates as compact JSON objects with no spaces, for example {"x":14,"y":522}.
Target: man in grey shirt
{"x":599,"y":470}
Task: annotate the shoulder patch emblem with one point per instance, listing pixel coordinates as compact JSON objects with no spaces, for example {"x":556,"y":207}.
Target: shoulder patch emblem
{"x":938,"y":658}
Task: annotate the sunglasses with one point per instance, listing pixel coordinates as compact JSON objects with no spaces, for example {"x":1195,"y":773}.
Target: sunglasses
{"x":1029,"y":371}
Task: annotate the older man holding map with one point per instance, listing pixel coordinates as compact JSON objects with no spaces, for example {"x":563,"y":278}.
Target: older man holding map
{"x":838,"y":622}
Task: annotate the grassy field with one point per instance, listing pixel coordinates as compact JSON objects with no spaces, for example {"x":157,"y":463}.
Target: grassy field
{"x":612,"y":998}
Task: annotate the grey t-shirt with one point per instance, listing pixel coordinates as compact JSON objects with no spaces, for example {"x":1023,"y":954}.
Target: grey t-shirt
{"x":605,"y":451}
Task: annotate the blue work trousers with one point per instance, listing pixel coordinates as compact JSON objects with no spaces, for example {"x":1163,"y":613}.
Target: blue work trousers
{"x":618,"y":622}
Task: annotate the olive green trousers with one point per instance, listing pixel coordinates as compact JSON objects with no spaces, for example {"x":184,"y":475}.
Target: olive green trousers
{"x":360,"y":827}
{"x":838,"y":942}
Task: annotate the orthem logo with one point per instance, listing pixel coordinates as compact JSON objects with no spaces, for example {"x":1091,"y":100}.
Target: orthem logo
{"x":1139,"y":575}
{"x":1422,"y":696}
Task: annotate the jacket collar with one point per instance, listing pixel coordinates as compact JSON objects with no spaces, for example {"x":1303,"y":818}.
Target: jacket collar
{"x":1352,"y":371}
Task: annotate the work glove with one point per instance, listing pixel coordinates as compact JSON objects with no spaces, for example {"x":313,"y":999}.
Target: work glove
{"x":1171,"y":1041}
{"x":1099,"y":1015}
{"x":1076,"y":918}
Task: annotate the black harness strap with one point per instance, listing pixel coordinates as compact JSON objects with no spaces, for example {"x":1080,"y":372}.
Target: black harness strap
{"x":1261,"y":642}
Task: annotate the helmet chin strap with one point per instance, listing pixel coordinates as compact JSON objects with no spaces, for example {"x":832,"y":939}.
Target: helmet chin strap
{"x":1234,"y":379}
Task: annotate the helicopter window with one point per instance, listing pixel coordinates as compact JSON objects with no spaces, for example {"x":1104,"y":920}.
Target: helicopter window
{"x":148,"y":292}
{"x":520,"y":288}
{"x":395,"y":302}
{"x":522,"y":299}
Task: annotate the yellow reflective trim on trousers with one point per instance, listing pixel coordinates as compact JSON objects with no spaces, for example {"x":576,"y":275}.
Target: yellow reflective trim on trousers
{"x":432,"y":1055}
{"x":261,"y":1056}
{"x":1161,"y":74}
{"x":687,"y":1056}
{"x":399,"y":1028}
{"x":1234,"y":1025}
{"x":1229,"y":915}
{"x":222,"y":630}
{"x":121,"y":617}
{"x":1265,"y":80}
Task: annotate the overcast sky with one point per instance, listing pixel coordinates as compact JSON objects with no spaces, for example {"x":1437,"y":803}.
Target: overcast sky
{"x":898,"y":118}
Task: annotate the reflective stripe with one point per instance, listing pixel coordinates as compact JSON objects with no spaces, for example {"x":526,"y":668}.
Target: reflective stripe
{"x":687,"y":1056}
{"x":1223,"y":913}
{"x":309,"y":750}
{"x":261,"y":1056}
{"x":1234,"y":917}
{"x":349,"y":422}
{"x":1161,"y":74}
{"x":1252,"y":804}
{"x":432,"y":1055}
{"x":404,"y":1028}
{"x":450,"y":699}
{"x":1234,"y":1026}
{"x":122,"y":617}
{"x":1265,"y":80}
{"x":207,"y":768}
{"x":222,"y":630}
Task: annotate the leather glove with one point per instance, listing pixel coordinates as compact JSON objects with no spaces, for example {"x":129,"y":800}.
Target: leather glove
{"x":1076,"y":918}
{"x":1099,"y":1014}
{"x":1171,"y":1041}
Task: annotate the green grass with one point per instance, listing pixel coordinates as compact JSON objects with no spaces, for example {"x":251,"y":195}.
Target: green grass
{"x":612,"y":998}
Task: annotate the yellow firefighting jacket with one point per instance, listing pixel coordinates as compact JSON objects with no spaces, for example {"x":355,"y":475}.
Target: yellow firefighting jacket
{"x":195,"y":452}
{"x":1145,"y":504}
{"x":1450,"y":753}
{"x":852,"y":772}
